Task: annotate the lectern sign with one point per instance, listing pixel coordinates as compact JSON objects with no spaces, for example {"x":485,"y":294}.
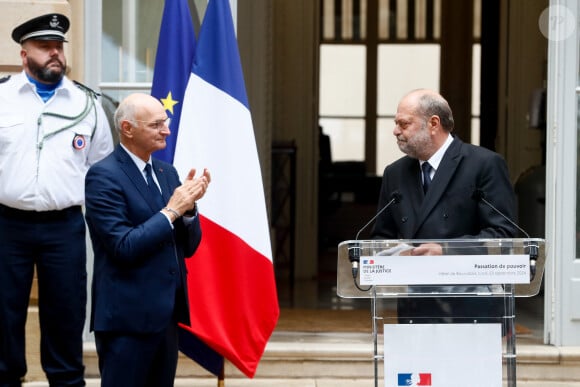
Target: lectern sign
{"x":443,"y":355}
{"x":444,"y":270}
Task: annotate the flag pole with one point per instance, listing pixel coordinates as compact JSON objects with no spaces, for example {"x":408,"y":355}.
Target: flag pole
{"x":221,"y":377}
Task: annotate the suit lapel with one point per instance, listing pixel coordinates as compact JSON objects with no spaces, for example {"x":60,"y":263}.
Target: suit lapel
{"x":412,"y":197}
{"x":135,"y":175}
{"x":162,"y":179}
{"x":416,"y":183}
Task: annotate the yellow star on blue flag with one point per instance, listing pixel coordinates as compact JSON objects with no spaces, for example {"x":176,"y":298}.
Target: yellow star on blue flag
{"x":169,"y":102}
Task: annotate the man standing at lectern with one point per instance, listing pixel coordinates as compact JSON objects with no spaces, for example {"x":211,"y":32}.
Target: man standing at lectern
{"x":440,"y":181}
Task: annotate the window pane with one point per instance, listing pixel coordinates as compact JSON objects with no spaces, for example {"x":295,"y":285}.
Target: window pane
{"x":477,"y":19}
{"x":344,"y":20}
{"x":475,"y":131}
{"x":387,"y":149}
{"x":346,"y":138}
{"x":117,"y":94}
{"x":578,"y":174}
{"x":402,"y":68}
{"x":342,"y":65}
{"x":476,"y":81}
{"x":476,"y":94}
{"x":130,"y":33}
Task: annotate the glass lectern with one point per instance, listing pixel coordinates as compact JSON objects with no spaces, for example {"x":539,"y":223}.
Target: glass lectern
{"x":454,"y":320}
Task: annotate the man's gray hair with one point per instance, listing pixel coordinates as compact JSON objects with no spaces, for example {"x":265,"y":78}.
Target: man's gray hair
{"x":125,"y":112}
{"x":432,"y":104}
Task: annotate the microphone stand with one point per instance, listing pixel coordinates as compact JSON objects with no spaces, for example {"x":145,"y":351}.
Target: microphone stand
{"x":354,"y":251}
{"x":532,"y":246}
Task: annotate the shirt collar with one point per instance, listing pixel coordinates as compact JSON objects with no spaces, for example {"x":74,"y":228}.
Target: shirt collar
{"x":138,"y":162}
{"x":435,"y":160}
{"x":23,"y":81}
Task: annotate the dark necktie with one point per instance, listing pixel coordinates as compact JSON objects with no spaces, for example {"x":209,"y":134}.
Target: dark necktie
{"x":155,"y":194}
{"x":153,"y":188}
{"x":426,"y":168}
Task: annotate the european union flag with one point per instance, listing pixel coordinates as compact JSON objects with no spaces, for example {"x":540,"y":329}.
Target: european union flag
{"x":173,"y":63}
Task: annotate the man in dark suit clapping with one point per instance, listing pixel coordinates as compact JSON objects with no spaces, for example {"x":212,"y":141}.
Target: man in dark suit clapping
{"x":143,"y":222}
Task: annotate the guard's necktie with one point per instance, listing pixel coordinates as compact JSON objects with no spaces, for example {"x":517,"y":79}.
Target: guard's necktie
{"x":153,"y":188}
{"x":426,"y":168}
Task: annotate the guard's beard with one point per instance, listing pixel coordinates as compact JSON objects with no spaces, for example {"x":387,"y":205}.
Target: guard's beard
{"x":44,"y":73}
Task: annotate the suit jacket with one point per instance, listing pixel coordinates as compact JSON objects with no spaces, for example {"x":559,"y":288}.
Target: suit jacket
{"x":449,"y":209}
{"x":139,"y":268}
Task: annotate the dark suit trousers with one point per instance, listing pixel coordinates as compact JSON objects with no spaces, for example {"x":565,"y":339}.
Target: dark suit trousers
{"x":54,"y":242}
{"x":138,"y":359}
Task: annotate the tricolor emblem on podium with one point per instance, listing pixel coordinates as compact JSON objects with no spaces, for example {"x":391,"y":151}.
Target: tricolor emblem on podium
{"x":414,"y":379}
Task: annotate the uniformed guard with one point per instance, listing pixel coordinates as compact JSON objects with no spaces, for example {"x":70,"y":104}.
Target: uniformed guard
{"x":51,"y":131}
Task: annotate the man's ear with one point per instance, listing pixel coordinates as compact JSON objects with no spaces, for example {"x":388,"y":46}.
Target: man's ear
{"x":126,"y":128}
{"x":435,"y":121}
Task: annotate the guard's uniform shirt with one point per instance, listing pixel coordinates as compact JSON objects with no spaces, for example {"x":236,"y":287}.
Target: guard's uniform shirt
{"x":44,"y":152}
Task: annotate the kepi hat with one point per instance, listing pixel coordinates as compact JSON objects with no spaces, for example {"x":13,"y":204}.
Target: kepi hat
{"x":51,"y":26}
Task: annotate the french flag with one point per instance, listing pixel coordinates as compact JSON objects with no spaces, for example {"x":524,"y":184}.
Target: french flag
{"x":173,"y":64}
{"x":232,"y":290}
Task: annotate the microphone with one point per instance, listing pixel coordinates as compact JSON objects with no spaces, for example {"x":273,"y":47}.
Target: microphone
{"x":354,"y":251}
{"x":479,"y":196}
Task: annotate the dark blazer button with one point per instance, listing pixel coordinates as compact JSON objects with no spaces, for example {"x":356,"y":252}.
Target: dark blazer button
{"x":404,"y":219}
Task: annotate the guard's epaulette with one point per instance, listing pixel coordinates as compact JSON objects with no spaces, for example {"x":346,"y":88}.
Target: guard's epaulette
{"x":4,"y":79}
{"x":87,"y":89}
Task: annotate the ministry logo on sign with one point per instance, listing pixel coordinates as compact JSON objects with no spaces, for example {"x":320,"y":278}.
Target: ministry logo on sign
{"x":414,"y":379}
{"x":368,"y":261}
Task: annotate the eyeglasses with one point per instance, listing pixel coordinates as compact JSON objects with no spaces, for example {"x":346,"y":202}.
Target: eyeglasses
{"x":156,"y":125}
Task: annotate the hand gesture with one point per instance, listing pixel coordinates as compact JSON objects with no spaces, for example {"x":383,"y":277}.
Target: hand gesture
{"x":192,"y":189}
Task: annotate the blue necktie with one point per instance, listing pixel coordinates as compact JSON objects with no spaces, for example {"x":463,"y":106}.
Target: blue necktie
{"x":426,"y":168}
{"x":153,"y":189}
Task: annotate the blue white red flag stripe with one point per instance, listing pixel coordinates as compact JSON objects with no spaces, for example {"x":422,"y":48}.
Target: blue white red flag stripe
{"x":232,"y":290}
{"x":173,"y":64}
